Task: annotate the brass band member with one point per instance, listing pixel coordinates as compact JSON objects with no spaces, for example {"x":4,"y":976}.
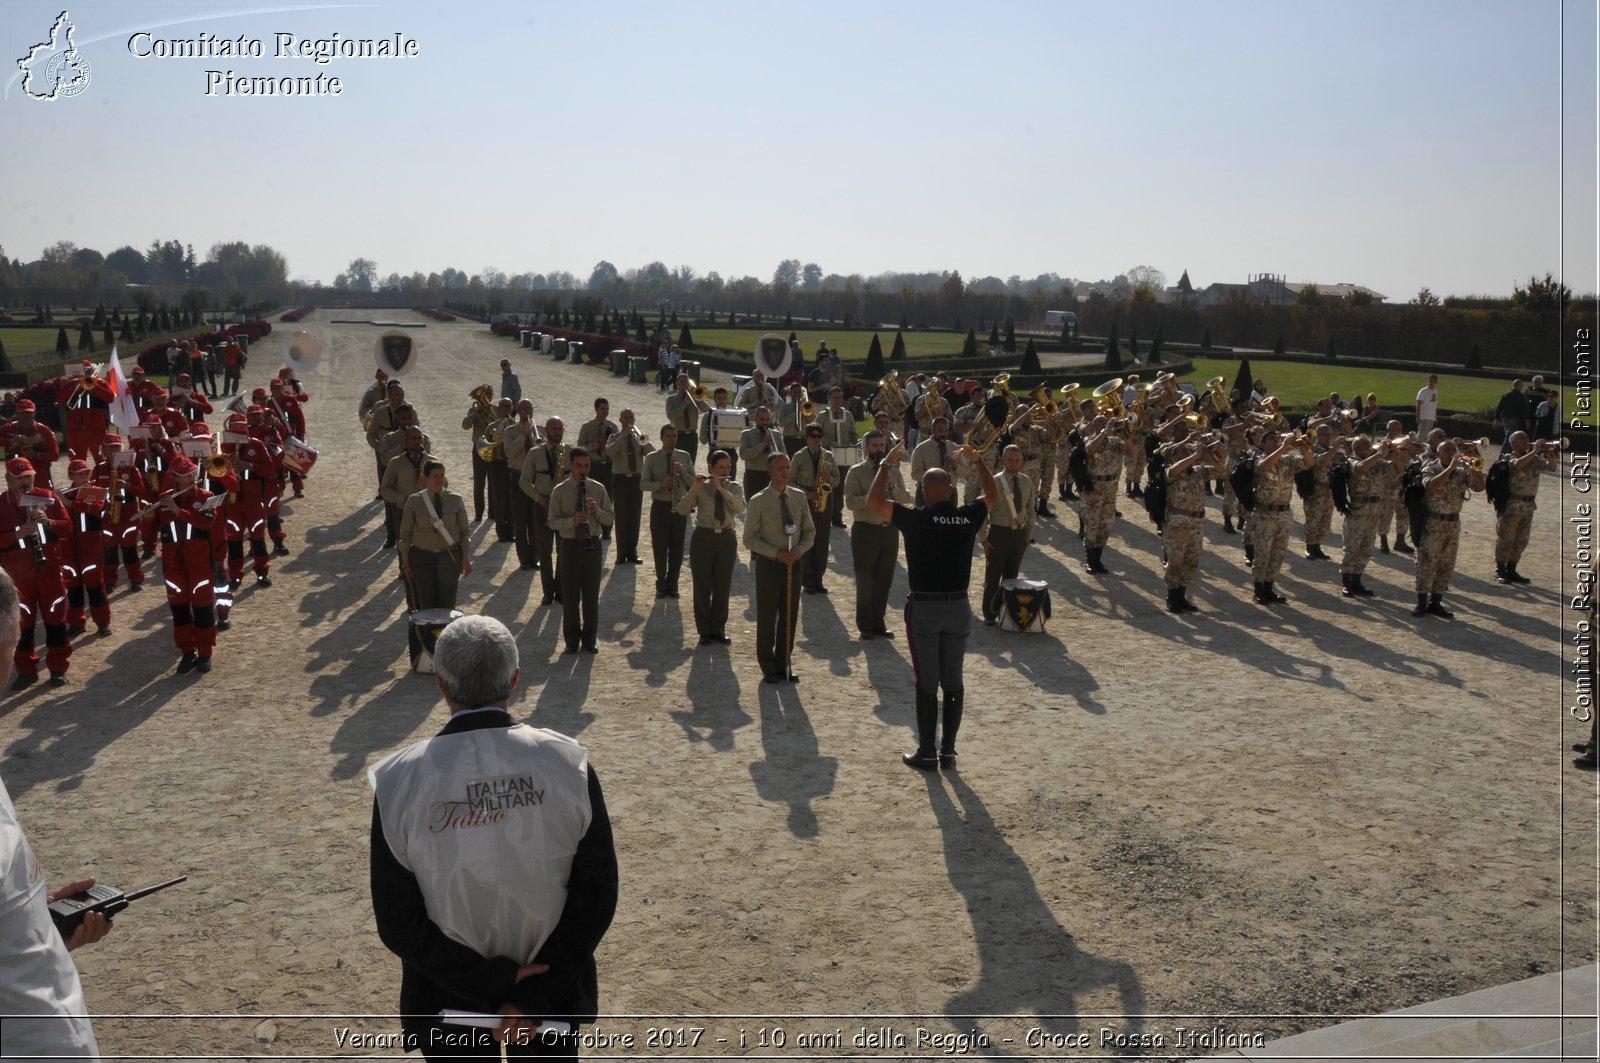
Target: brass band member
{"x":1372,"y":477}
{"x":544,"y":466}
{"x":758,"y":445}
{"x":402,"y":478}
{"x":577,"y":505}
{"x":816,"y":473}
{"x":683,"y":413}
{"x":500,"y":475}
{"x":519,"y":435}
{"x":1282,"y":457}
{"x":1447,"y":477}
{"x":936,"y":451}
{"x":666,"y":479}
{"x":626,"y":452}
{"x":1319,"y":503}
{"x":1008,"y":530}
{"x":479,"y":416}
{"x":714,"y":499}
{"x":1513,"y":520}
{"x":593,"y":436}
{"x":1106,"y":448}
{"x":874,"y":543}
{"x":838,"y":430}
{"x":1191,"y":462}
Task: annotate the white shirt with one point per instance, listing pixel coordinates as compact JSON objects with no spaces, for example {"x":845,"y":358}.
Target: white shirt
{"x":37,"y":976}
{"x":1428,"y":403}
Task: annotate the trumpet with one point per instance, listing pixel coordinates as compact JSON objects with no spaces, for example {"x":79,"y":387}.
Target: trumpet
{"x":1472,"y":450}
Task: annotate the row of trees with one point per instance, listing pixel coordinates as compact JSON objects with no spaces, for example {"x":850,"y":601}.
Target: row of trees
{"x":68,"y":272}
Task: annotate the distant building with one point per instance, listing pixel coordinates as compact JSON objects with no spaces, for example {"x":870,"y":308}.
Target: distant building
{"x":1272,"y":290}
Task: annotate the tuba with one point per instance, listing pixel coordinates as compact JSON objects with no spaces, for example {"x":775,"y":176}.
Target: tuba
{"x":490,"y":446}
{"x":890,"y":396}
{"x":933,"y":404}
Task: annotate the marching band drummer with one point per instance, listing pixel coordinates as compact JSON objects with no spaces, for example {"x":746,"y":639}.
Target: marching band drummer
{"x":838,"y":430}
{"x":434,"y":541}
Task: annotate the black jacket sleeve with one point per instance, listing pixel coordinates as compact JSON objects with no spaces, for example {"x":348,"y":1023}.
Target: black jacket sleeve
{"x":404,"y":927}
{"x":591,"y":903}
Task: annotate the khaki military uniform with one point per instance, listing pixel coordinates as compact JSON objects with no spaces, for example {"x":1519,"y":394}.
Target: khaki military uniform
{"x":757,"y":446}
{"x":1269,"y":523}
{"x":713,"y":551}
{"x":1005,"y":535}
{"x":874,"y":543}
{"x":1436,"y":553}
{"x":580,"y":556}
{"x":684,"y":414}
{"x":1099,"y":504}
{"x":626,"y":452}
{"x":667,"y":526}
{"x":930,"y":454}
{"x":1368,"y":488}
{"x":434,"y":561}
{"x":1183,"y":529}
{"x":1513,"y":523}
{"x":809,"y":468}
{"x":544,"y":466}
{"x":777,"y":594}
{"x":1319,"y":504}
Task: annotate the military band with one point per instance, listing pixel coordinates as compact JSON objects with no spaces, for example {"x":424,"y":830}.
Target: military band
{"x":715,"y":501}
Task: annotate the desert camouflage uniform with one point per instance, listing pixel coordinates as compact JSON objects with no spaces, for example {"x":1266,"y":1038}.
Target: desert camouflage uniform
{"x":1137,"y":457}
{"x":1319,"y":504}
{"x":1030,"y":440}
{"x":1436,"y":553}
{"x":1269,"y":524}
{"x":1049,"y":459}
{"x":1513,"y":523}
{"x":1100,"y":503}
{"x":1367,"y":490}
{"x":1238,"y":446}
{"x":1391,"y":510}
{"x":1183,"y":532}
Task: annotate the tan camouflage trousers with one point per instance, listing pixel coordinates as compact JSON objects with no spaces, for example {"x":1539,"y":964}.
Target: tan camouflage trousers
{"x":1319,"y":517}
{"x":1360,"y":532}
{"x":1099,"y":512}
{"x":1183,"y":538}
{"x":1511,"y":530}
{"x":1047,"y":472}
{"x":1436,"y":555}
{"x":1391,"y":514}
{"x":1137,"y":460}
{"x":1270,"y":533}
{"x":1230,"y":501}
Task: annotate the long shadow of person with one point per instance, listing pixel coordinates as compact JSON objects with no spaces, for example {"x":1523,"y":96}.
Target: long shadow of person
{"x":1029,"y":963}
{"x":713,"y":689}
{"x":793,"y":772}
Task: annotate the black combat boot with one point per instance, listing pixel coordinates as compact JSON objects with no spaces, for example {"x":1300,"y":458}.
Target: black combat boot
{"x":1422,"y":606}
{"x":1272,"y":595}
{"x":1383,"y":544}
{"x":1349,"y":584}
{"x":1183,"y":600}
{"x":1500,"y":574}
{"x":1227,"y":525}
{"x":1401,"y":545}
{"x":1437,"y":608}
{"x":1261,"y":593}
{"x":1514,"y":576}
{"x":1174,"y":600}
{"x":1360,"y":587}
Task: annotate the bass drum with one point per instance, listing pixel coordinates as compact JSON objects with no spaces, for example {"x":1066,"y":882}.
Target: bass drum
{"x":424,"y":636}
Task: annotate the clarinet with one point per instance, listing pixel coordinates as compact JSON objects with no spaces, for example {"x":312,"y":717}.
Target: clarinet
{"x":583,"y":507}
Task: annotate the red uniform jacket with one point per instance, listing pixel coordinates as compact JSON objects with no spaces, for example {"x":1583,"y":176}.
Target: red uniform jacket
{"x":36,"y":443}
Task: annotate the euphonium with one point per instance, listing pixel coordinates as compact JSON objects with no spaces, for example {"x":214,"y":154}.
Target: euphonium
{"x":933,"y":404}
{"x":480,"y":399}
{"x":1001,"y":385}
{"x":491,"y":445}
{"x":1108,"y":398}
{"x":1216,"y":398}
{"x":1070,"y":403}
{"x":893,"y":398}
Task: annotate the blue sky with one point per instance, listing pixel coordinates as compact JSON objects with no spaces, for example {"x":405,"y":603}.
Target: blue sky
{"x":1391,"y":144}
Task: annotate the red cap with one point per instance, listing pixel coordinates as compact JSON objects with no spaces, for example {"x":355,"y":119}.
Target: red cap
{"x":159,"y":393}
{"x":273,"y":383}
{"x":88,"y":364}
{"x":77,"y":465}
{"x":182,"y":466}
{"x":25,"y":406}
{"x":253,"y":408}
{"x":259,"y":393}
{"x":138,"y":370}
{"x":111,"y":440}
{"x":19,"y":467}
{"x":183,"y":378}
{"x":199,"y":428}
{"x":237,"y":419}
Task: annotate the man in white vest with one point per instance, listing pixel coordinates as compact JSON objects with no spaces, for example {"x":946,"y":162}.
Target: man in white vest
{"x":40,"y":995}
{"x":494,"y":876}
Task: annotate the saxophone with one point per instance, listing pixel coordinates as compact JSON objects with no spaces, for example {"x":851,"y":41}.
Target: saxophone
{"x":115,"y":512}
{"x":823,"y":488}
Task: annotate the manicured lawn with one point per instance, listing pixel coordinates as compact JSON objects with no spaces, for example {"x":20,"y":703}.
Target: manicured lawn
{"x":852,"y":345}
{"x":1299,"y":385}
{"x":34,"y":340}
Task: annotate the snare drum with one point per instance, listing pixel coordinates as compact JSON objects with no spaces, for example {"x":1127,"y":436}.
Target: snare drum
{"x":425,"y":627}
{"x":848,"y":454}
{"x":727,"y":425}
{"x":297,"y":456}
